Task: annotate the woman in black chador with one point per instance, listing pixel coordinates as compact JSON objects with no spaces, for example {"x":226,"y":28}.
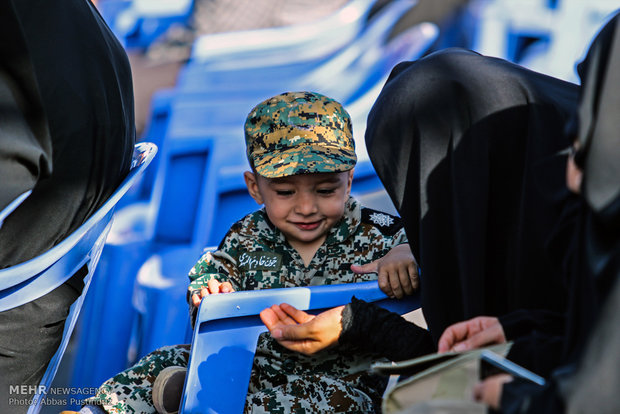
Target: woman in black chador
{"x":467,"y":147}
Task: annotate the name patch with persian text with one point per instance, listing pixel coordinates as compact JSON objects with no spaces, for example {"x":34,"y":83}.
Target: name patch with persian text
{"x":260,"y":261}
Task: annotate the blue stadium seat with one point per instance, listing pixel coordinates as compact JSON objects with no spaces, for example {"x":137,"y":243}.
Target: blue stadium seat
{"x":305,"y":42}
{"x":171,"y":218}
{"x":227,"y":330}
{"x":30,"y":280}
{"x":285,"y":66}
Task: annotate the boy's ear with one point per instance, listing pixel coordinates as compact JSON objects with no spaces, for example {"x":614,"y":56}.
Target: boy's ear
{"x":350,"y":181}
{"x":252,"y":185}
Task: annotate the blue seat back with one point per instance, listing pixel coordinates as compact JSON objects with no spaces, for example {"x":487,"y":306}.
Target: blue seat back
{"x":227,"y":330}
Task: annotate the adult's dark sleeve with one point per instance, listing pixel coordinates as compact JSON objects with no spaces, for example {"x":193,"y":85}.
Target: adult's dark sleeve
{"x":525,"y":321}
{"x":367,"y":327}
{"x":523,"y":397}
{"x":538,"y":337}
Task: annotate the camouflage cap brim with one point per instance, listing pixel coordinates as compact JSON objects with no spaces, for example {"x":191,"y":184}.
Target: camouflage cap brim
{"x":305,"y":159}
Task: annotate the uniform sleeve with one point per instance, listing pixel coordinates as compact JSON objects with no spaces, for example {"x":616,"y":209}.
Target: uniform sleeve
{"x":220,"y":265}
{"x":217,"y":265}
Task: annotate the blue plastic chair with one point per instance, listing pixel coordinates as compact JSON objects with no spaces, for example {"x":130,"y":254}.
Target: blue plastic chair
{"x":305,"y":42}
{"x":227,"y":330}
{"x":286,"y":69}
{"x":32,"y":279}
{"x":201,"y":196}
{"x":212,"y":107}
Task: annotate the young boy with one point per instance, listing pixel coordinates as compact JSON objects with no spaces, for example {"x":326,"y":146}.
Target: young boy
{"x":310,"y":232}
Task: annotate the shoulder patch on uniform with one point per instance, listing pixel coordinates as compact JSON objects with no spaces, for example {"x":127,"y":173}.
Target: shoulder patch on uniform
{"x":386,"y":223}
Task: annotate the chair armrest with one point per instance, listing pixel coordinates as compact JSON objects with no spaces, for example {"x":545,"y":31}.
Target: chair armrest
{"x":227,"y":330}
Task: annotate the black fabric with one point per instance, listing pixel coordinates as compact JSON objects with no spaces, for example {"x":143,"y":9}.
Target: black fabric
{"x":523,"y":322}
{"x":467,"y":148}
{"x":369,"y":328}
{"x":67,"y":134}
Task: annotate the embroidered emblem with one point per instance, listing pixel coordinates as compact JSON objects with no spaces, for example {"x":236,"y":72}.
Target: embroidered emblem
{"x":381,"y":219}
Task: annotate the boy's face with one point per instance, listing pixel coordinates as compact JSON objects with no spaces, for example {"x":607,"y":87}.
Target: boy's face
{"x":304,"y":207}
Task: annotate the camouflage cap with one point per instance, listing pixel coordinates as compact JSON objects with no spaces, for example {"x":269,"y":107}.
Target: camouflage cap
{"x":299,"y":133}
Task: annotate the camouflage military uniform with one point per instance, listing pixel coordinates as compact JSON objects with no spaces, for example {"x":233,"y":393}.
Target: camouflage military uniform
{"x":255,"y":255}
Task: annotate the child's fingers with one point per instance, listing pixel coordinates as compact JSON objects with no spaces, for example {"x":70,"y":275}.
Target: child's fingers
{"x":226,"y":287}
{"x":405,"y":280}
{"x":395,"y":283}
{"x":384,"y":284}
{"x":214,"y":286}
{"x":372,"y":267}
{"x":412,"y":271}
{"x":196,"y":300}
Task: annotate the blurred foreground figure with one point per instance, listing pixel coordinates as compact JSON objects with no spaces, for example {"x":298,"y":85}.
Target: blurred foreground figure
{"x":66,"y":133}
{"x":587,"y":380}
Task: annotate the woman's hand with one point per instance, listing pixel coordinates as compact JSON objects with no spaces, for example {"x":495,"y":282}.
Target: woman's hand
{"x":299,"y":331}
{"x":471,"y":334}
{"x":489,"y":391}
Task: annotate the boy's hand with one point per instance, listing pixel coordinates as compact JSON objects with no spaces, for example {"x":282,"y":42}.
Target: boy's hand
{"x":471,"y":334}
{"x":301,"y":332}
{"x":397,"y":270}
{"x":213,"y":288}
